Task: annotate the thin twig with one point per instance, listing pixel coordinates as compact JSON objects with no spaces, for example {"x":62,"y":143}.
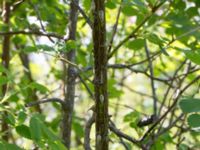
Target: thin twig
{"x":86,"y":86}
{"x":122,"y":66}
{"x":32,"y":33}
{"x":17,"y":4}
{"x":133,"y":34}
{"x":135,"y":91}
{"x":88,"y":126}
{"x":123,"y":135}
{"x":115,"y":27}
{"x":61,"y":58}
{"x":169,"y":87}
{"x":45,"y":101}
{"x":87,"y":19}
{"x":170,"y":108}
{"x":155,"y":99}
{"x":39,"y":18}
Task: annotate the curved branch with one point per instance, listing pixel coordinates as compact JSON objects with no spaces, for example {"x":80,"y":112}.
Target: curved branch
{"x":123,"y":135}
{"x":88,"y":126}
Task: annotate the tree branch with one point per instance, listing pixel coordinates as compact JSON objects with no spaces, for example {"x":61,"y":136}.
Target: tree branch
{"x":155,"y":99}
{"x":39,"y":18}
{"x":170,"y":108}
{"x":133,"y":34}
{"x":48,"y":100}
{"x":88,"y":126}
{"x":115,"y":28}
{"x":123,"y":135}
{"x":32,"y":33}
{"x":87,"y":19}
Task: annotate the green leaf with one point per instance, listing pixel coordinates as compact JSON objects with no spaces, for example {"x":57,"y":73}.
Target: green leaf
{"x":113,"y":89}
{"x":129,"y":11}
{"x":41,"y":88}
{"x":136,"y":44}
{"x":158,"y":145}
{"x":10,"y":119}
{"x":152,"y":2}
{"x":194,"y":56}
{"x":194,"y":120}
{"x":153,"y":38}
{"x":131,"y":117}
{"x":190,"y":105}
{"x":78,"y":129}
{"x":133,"y":125}
{"x":3,"y":69}
{"x":29,"y":49}
{"x":13,"y":97}
{"x":2,"y":146}
{"x":21,"y":117}
{"x":110,"y":5}
{"x":3,"y":80}
{"x":48,"y":133}
{"x":183,"y":147}
{"x":44,"y":47}
{"x":163,"y":50}
{"x":4,"y":27}
{"x":7,"y":146}
{"x":35,"y":128}
{"x":19,"y":39}
{"x":192,"y":11}
{"x":166,"y":137}
{"x":71,"y":44}
{"x":56,"y":145}
{"x":12,"y":147}
{"x":87,"y":4}
{"x":24,"y":131}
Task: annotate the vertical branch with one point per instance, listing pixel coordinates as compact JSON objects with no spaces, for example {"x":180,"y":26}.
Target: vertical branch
{"x":88,"y":127}
{"x":5,"y":60}
{"x":26,"y":64}
{"x":70,"y":78}
{"x":100,"y":74}
{"x":155,"y":99}
{"x":115,"y":28}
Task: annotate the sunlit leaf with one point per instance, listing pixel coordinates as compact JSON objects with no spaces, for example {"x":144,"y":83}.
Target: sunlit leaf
{"x":129,"y":11}
{"x":136,"y":44}
{"x":29,"y":49}
{"x":194,"y":56}
{"x":110,"y":4}
{"x":87,"y":4}
{"x":131,"y":117}
{"x":44,"y":47}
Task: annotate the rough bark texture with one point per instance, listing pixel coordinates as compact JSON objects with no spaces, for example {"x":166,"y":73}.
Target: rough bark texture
{"x":70,"y":78}
{"x":100,"y":77}
{"x":5,"y":61}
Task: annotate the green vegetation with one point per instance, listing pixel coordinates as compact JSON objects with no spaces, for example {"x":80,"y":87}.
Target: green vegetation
{"x":102,"y":74}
